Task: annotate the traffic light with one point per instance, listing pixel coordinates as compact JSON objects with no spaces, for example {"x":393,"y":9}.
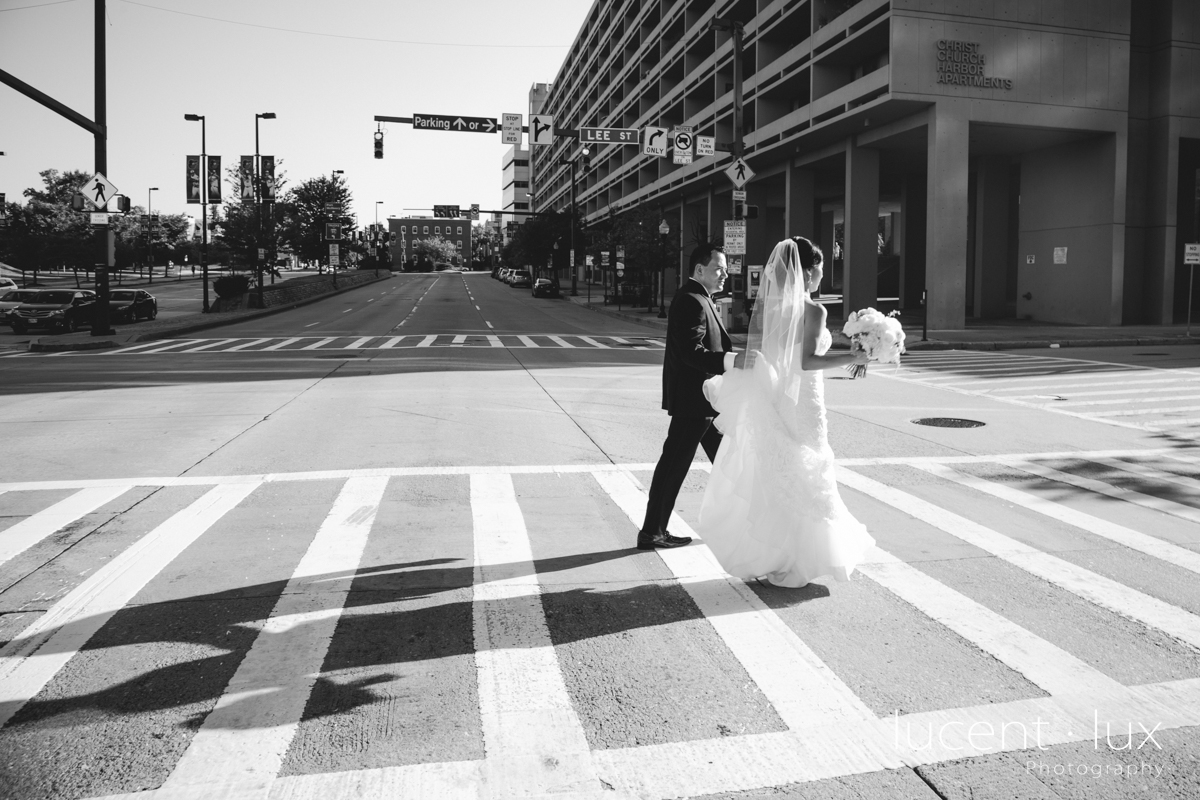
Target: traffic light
{"x":379,"y":144}
{"x":743,"y":211}
{"x":78,"y":203}
{"x":123,"y":204}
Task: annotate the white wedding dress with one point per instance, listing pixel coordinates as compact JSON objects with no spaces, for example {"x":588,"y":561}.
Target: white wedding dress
{"x":772,"y":509}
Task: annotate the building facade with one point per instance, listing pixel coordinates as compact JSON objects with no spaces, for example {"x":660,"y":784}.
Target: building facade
{"x":514,"y":184}
{"x":1032,"y":159}
{"x":404,"y":232}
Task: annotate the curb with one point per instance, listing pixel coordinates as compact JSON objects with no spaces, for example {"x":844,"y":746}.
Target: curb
{"x":616,"y":314}
{"x":104,"y":343}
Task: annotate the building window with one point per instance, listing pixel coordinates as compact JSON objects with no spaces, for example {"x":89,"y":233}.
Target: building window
{"x":437,"y":230}
{"x":521,"y":184}
{"x":404,"y":229}
{"x":426,"y":230}
{"x":458,"y":230}
{"x":522,"y":162}
{"x":521,"y":206}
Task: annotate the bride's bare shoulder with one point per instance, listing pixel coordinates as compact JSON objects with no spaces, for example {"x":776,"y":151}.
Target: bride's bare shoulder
{"x":814,"y":310}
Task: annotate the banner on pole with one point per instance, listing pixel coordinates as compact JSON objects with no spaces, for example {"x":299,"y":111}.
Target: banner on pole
{"x":267,"y":164}
{"x":214,"y":179}
{"x":193,"y":179}
{"x":246,"y":173}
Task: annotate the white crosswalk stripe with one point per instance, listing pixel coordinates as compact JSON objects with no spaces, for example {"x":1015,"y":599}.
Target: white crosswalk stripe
{"x":291,"y":344}
{"x":533,"y":740}
{"x":1130,"y":396}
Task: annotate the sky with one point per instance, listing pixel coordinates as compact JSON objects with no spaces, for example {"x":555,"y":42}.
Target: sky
{"x":325,"y":68}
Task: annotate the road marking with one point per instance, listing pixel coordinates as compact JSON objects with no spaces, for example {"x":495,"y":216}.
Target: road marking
{"x":1145,"y":411}
{"x":118,"y":352}
{"x":1088,"y":384}
{"x":348,"y":310}
{"x":244,"y":345}
{"x":531,"y":733}
{"x":803,"y":690}
{"x":311,"y":324}
{"x":207,"y":345}
{"x":318,"y":344}
{"x":390,"y":343}
{"x":477,"y":308}
{"x":359,"y":343}
{"x":176,"y":343}
{"x":525,"y":340}
{"x":561,"y":342}
{"x":427,"y":341}
{"x":490,"y":325}
{"x":1083,"y":583}
{"x":20,"y":537}
{"x":594,"y":343}
{"x":1128,"y":537}
{"x":1153,"y":396}
{"x":1137,"y":468}
{"x":458,"y":339}
{"x":28,"y":662}
{"x":494,"y":341}
{"x":239,"y":749}
{"x":282,"y":344}
{"x":1128,"y":495}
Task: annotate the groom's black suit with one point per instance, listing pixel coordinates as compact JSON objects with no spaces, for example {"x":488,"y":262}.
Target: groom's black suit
{"x":696,"y":346}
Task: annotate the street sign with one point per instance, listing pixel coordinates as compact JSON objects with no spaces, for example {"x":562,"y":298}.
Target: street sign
{"x":683,"y":144}
{"x":739,"y":195}
{"x":512,"y":123}
{"x":604,"y":258}
{"x":333,"y":230}
{"x":608,"y":135}
{"x":654,"y":142}
{"x":98,"y":191}
{"x":262,"y":254}
{"x":1191,"y":254}
{"x":706,"y":146}
{"x":541,"y":129}
{"x":438,"y":122}
{"x":447,"y":212}
{"x":572,"y":259}
{"x":739,"y":172}
{"x":98,"y":218}
{"x":734,"y":265}
{"x":475,"y":211}
{"x":333,"y":250}
{"x":335,"y":260}
{"x":735,"y":237}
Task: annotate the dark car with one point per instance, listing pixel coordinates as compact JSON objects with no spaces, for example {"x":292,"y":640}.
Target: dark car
{"x":544,"y":287}
{"x":521,"y":277}
{"x":130,"y":305}
{"x":56,"y":309}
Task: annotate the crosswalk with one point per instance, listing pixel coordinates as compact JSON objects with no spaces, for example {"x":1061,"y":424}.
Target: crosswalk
{"x":294,"y":344}
{"x":320,"y":576}
{"x":1132,"y":396}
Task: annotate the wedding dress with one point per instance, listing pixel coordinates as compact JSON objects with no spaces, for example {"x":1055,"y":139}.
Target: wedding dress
{"x":772,"y":509}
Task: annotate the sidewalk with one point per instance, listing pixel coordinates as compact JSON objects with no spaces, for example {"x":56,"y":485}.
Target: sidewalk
{"x":977,"y":335}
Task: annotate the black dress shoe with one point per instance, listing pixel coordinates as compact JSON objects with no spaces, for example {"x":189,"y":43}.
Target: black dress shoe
{"x":664,"y":539}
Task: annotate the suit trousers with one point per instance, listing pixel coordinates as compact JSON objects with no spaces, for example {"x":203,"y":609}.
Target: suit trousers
{"x":679,"y":449}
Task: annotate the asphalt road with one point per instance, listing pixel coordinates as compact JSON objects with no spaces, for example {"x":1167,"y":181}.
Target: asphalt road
{"x":381,"y":546}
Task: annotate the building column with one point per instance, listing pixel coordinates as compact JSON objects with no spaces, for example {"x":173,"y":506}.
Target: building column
{"x":799,"y":217}
{"x":991,"y":238}
{"x":826,"y":238}
{"x":946,"y":220}
{"x":861,"y":238}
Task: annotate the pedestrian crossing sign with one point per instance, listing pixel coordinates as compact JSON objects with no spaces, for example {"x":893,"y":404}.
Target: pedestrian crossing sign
{"x":739,"y":172}
{"x":98,"y":191}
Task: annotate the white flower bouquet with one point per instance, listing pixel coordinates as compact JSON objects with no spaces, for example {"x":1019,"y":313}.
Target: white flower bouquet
{"x":876,"y":333}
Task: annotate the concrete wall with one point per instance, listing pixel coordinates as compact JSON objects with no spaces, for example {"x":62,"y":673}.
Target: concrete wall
{"x":1068,"y":196}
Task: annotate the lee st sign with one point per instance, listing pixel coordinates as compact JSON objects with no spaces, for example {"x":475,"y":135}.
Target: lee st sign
{"x":608,"y":135}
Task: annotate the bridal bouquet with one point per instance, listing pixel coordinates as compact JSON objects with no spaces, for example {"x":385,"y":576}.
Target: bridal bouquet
{"x":879,"y":334}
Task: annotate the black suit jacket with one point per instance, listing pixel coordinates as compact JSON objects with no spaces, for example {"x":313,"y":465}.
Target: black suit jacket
{"x":696,"y":347}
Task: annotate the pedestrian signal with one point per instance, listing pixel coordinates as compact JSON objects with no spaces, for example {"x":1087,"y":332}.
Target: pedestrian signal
{"x":123,"y":204}
{"x":379,"y":144}
{"x":77,"y":202}
{"x":743,"y":211}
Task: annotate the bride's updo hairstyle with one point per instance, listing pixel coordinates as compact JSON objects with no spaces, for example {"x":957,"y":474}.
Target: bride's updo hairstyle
{"x":810,"y":254}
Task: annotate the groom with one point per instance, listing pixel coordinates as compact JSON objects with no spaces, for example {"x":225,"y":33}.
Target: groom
{"x":698,"y":347}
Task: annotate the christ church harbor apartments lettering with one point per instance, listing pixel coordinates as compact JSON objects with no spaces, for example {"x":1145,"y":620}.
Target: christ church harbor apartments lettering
{"x":961,"y":63}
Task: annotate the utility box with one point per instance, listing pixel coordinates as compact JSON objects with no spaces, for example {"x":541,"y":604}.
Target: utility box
{"x":725,"y":310}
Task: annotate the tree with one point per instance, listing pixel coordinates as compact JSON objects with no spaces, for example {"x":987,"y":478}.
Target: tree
{"x":532,"y":244}
{"x":45,"y":232}
{"x":239,"y":232}
{"x":308,"y":207}
{"x":433,"y":250}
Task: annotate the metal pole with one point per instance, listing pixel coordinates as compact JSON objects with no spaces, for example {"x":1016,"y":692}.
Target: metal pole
{"x":1191,"y":296}
{"x":737,"y":90}
{"x":150,"y":232}
{"x":924,"y":316}
{"x":100,"y":325}
{"x":204,"y":215}
{"x":574,"y":269}
{"x":258,"y":206}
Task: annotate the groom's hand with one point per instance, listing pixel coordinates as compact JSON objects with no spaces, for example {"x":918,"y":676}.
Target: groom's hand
{"x":739,"y":361}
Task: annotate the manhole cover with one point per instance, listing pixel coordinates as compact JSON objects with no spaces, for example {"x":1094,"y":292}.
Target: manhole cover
{"x":948,"y":422}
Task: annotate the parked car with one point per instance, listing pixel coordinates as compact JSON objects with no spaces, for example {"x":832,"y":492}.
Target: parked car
{"x":13,"y":298}
{"x":6,"y":284}
{"x":57,"y":309}
{"x":521,"y":278}
{"x":544,"y":287}
{"x":506,"y":274}
{"x":130,"y":305}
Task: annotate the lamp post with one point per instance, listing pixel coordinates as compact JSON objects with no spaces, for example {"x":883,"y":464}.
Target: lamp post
{"x":333,"y":180}
{"x":258,"y":198}
{"x":203,"y":208}
{"x":150,"y":231}
{"x":378,"y":236}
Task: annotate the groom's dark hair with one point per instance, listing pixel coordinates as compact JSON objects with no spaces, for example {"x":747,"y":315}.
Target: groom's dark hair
{"x":703,"y":254}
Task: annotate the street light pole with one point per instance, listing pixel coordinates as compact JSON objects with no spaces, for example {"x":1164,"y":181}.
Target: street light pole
{"x":150,"y":232}
{"x":333,"y":269}
{"x":258,"y":198}
{"x":203,"y":208}
{"x":378,"y":236}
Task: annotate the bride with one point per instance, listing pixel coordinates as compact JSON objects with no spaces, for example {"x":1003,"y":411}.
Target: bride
{"x":772,"y":508}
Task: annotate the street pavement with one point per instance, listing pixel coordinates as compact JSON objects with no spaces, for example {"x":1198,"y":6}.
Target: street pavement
{"x":400,"y":563}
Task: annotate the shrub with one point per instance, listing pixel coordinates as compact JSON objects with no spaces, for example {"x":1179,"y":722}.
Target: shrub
{"x":231,"y":285}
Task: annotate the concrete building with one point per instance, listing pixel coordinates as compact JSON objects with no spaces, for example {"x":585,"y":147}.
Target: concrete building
{"x":514,"y":183}
{"x":405,"y":231}
{"x":1033,"y":159}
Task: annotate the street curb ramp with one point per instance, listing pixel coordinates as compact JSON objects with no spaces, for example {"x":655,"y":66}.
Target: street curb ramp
{"x":210,"y":320}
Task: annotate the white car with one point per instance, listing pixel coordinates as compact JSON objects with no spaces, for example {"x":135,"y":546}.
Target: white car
{"x":6,"y":284}
{"x":10,"y":298}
